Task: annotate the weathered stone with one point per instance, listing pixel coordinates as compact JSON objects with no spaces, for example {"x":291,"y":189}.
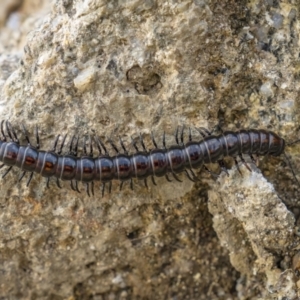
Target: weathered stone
{"x":125,"y":67}
{"x":256,"y":227}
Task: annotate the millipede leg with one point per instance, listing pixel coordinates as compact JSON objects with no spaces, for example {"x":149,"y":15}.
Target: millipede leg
{"x":113,"y":146}
{"x":6,"y":172}
{"x":207,"y":132}
{"x":176,"y":135}
{"x":244,"y":162}
{"x":123,"y":146}
{"x":145,"y":182}
{"x":176,"y":177}
{"x":7,"y":125}
{"x":62,"y":144}
{"x":153,"y":140}
{"x":290,"y":165}
{"x":37,"y":137}
{"x":1,"y":166}
{"x":131,"y":184}
{"x":103,"y":188}
{"x":210,"y":172}
{"x":133,"y":143}
{"x":99,"y":142}
{"x":98,"y":145}
{"x":4,"y":137}
{"x":182,"y":136}
{"x":58,"y":183}
{"x":203,"y":131}
{"x":29,"y":179}
{"x":121,"y":185}
{"x":222,"y":166}
{"x":142,"y":143}
{"x":164,"y":140}
{"x":72,"y":186}
{"x":167,"y":177}
{"x":15,"y":138}
{"x":253,"y":159}
{"x":84,"y":146}
{"x":25,"y":133}
{"x":153,"y":180}
{"x":76,"y":146}
{"x":71,"y":146}
{"x":189,"y":176}
{"x":190,"y":134}
{"x":92,"y":187}
{"x":54,"y":144}
{"x":109,"y":187}
{"x":48,"y":181}
{"x":87,"y":189}
{"x":194,"y":175}
{"x":237,"y":166}
{"x":76,"y":186}
{"x":91,"y":146}
{"x":22,"y":176}
{"x":220,"y":128}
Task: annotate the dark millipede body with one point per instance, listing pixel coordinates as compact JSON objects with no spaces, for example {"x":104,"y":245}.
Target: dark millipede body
{"x":182,"y":157}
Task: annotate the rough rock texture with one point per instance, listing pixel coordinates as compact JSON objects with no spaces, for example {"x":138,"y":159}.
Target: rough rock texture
{"x":124,"y":67}
{"x":256,"y":227}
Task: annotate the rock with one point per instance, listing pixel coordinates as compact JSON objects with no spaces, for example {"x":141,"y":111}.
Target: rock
{"x":129,"y":67}
{"x":256,"y":227}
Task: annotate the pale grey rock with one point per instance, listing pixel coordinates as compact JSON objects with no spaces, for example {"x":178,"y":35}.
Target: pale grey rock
{"x":256,"y":227}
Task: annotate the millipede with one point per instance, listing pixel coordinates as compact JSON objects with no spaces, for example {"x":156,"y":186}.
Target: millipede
{"x":157,"y":162}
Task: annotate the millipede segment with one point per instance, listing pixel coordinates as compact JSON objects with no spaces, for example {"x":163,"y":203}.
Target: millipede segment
{"x":143,"y":163}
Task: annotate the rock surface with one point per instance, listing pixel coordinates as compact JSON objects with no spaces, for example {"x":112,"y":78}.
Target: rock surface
{"x":130,"y":67}
{"x":257,"y":228}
